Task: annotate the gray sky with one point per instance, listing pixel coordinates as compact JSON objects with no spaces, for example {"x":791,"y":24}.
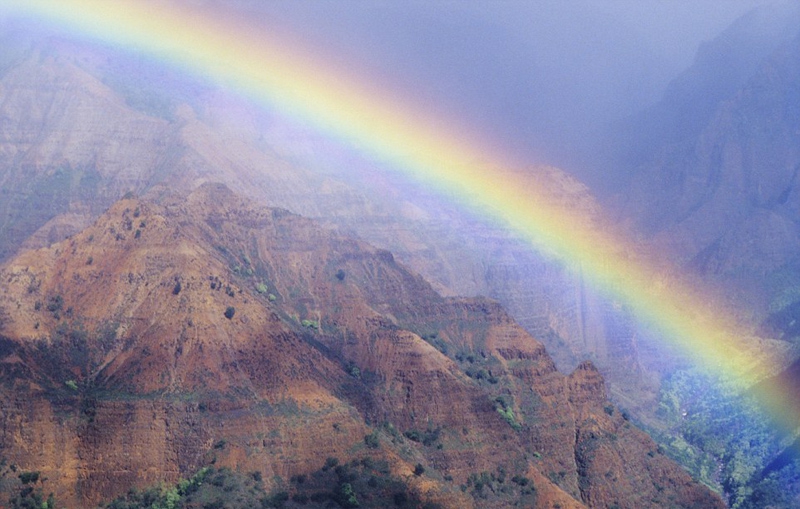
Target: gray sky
{"x":543,"y":75}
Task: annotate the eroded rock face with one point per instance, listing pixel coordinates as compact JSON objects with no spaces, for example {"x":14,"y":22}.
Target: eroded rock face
{"x":165,"y":336}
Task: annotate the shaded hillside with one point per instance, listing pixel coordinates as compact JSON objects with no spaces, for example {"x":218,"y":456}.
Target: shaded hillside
{"x":725,"y":199}
{"x":165,"y":337}
{"x":722,"y":66}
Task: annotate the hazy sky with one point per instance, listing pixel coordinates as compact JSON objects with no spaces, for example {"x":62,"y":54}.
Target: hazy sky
{"x":542,"y":75}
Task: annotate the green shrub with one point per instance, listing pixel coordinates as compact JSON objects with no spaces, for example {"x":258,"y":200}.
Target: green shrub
{"x":413,"y":435}
{"x":510,"y":418}
{"x":330,"y":463}
{"x":522,"y":481}
{"x":277,"y":500}
{"x":229,"y":312}
{"x":503,"y":408}
{"x":55,"y":304}
{"x":347,"y":497}
{"x":29,"y":477}
{"x":372,"y":440}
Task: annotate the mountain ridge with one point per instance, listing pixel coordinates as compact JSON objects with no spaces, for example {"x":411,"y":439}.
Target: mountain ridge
{"x":205,"y":320}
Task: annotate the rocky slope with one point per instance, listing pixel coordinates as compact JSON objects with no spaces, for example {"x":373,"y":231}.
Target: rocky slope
{"x":168,"y":336}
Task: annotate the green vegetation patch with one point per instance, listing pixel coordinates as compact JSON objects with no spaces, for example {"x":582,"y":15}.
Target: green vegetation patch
{"x":719,"y":435}
{"x":365,"y":482}
{"x":503,"y":405}
{"x":497,"y":489}
{"x":310,"y":324}
{"x":22,"y":489}
{"x":208,"y":488}
{"x":427,"y":438}
{"x":360,"y":483}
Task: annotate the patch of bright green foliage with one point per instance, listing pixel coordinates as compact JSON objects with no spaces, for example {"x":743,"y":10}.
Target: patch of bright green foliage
{"x":719,"y":434}
{"x":310,"y":324}
{"x":503,"y":408}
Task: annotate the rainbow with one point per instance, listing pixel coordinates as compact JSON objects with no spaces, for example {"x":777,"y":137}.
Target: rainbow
{"x":278,"y":72}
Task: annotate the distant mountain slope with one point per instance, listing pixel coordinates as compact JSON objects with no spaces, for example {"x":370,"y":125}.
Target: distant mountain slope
{"x":721,"y":68}
{"x":70,"y":145}
{"x":165,"y":337}
{"x":726,"y":202}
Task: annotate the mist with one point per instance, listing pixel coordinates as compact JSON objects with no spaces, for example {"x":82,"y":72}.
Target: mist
{"x":544,"y":79}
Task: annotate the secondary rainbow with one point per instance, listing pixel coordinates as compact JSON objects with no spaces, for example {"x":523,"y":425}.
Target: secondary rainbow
{"x":279,"y":73}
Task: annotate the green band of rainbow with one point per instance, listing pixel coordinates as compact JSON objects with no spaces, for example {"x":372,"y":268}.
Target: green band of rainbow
{"x":279,"y":74}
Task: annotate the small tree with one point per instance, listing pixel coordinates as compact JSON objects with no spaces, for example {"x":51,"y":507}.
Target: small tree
{"x":372,"y":440}
{"x":229,"y":312}
{"x":347,"y":496}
